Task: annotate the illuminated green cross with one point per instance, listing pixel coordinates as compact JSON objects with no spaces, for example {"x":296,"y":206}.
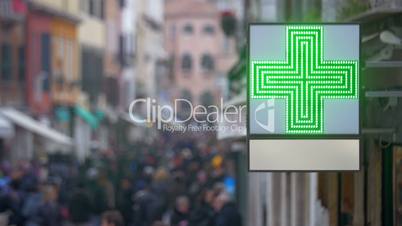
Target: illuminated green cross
{"x":304,"y":79}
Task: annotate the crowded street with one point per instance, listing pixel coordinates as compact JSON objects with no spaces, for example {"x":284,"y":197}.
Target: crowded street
{"x":187,"y":185}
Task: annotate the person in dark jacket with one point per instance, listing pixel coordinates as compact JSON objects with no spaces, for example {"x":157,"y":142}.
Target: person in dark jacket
{"x":80,"y":206}
{"x":203,"y":212}
{"x":49,"y":210}
{"x":146,"y":205}
{"x":181,"y":212}
{"x":32,"y":206}
{"x":227,"y":213}
{"x":125,"y":200}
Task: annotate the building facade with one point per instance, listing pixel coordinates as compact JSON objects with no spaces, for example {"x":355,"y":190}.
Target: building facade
{"x":127,"y":54}
{"x":53,"y":77}
{"x":92,"y":38}
{"x":200,"y":53}
{"x":12,"y":57}
{"x":149,"y":46}
{"x":112,"y":62}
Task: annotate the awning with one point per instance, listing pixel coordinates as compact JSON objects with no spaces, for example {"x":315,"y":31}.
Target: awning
{"x":93,"y":119}
{"x":34,"y":126}
{"x":42,"y":7}
{"x":6,"y":128}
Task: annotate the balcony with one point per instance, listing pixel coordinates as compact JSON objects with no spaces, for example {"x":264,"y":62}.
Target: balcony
{"x":67,"y":9}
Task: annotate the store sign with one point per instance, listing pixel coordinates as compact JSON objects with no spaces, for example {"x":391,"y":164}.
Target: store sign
{"x":303,"y":91}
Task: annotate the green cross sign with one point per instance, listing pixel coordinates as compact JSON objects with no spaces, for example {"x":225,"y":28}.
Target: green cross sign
{"x":304,"y":79}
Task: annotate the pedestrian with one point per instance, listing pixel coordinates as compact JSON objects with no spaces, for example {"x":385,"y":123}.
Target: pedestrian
{"x":226,"y":211}
{"x":203,"y":212}
{"x":50,"y":209}
{"x":112,"y":218}
{"x":31,"y":206}
{"x":125,"y":200}
{"x":181,"y":212}
{"x":15,"y":199}
{"x":145,"y":206}
{"x":80,"y":206}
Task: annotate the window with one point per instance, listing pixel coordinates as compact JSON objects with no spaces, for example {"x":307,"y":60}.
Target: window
{"x":45,"y":60}
{"x":21,"y":64}
{"x":95,"y":8}
{"x":207,"y":63}
{"x":91,"y":7}
{"x":185,"y":108}
{"x":207,"y":99}
{"x":122,"y":50}
{"x":131,"y":43}
{"x":209,"y":29}
{"x":102,"y":9}
{"x":188,"y":29}
{"x":6,"y":62}
{"x":92,"y":72}
{"x":111,"y":85}
{"x":59,"y":56}
{"x":186,"y":62}
{"x":122,"y":3}
{"x":69,"y":60}
{"x":126,"y":49}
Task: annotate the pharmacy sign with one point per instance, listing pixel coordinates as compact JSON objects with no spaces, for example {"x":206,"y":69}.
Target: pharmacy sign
{"x":309,"y":76}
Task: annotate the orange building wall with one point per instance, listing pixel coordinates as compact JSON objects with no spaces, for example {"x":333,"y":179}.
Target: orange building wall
{"x":65,"y":61}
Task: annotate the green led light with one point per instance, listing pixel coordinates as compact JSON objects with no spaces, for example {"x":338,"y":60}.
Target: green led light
{"x":304,"y":79}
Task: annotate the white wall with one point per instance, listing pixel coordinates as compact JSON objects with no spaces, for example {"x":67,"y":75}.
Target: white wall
{"x":154,"y":9}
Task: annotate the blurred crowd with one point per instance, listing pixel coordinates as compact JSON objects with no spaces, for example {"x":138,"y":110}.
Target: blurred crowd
{"x":188,"y":186}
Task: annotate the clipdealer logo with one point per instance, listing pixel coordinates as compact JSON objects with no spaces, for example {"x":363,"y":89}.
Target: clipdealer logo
{"x":266,"y":110}
{"x":182,"y":115}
